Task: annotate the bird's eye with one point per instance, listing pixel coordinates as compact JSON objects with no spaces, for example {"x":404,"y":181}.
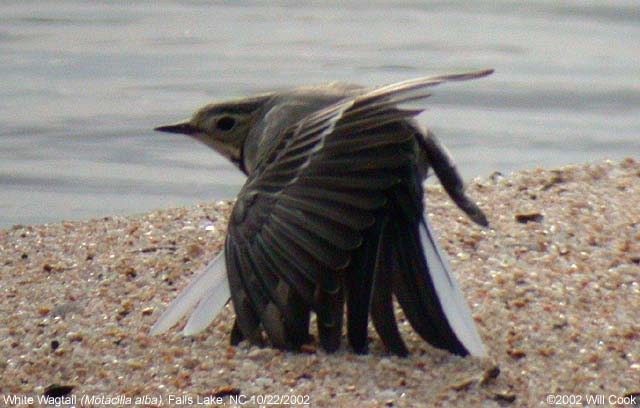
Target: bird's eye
{"x":225,"y":123}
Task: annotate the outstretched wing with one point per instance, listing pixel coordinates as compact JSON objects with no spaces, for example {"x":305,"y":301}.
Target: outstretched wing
{"x":327,"y":188}
{"x":301,"y":214}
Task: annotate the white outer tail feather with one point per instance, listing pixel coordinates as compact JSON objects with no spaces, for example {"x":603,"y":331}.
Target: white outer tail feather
{"x":449,"y":294}
{"x":209,"y":291}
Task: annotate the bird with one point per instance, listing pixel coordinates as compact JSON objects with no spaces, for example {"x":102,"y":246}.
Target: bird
{"x":331,"y":220}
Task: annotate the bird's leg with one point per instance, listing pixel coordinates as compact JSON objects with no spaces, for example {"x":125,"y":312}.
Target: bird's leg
{"x":236,"y":334}
{"x":297,"y":320}
{"x":329,"y":318}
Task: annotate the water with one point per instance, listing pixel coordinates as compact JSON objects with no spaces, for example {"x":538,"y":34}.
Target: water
{"x":83,"y":84}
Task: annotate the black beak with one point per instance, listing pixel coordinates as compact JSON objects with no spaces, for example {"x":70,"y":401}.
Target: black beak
{"x":183,"y":128}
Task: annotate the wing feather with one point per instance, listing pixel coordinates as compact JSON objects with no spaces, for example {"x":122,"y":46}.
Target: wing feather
{"x":328,"y":167}
{"x":304,"y":213}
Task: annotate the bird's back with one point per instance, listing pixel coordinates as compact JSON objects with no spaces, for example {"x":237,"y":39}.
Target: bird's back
{"x":286,"y":109}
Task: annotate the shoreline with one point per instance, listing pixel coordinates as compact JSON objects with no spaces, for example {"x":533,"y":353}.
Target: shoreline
{"x":554,"y":285}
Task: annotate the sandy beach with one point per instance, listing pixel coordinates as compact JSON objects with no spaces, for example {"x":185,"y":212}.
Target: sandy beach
{"x":553,"y":284}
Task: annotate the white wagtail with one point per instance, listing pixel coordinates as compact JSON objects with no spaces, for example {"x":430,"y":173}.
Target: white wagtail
{"x":331,"y":214}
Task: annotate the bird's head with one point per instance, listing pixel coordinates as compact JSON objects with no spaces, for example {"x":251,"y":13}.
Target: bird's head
{"x":223,"y":126}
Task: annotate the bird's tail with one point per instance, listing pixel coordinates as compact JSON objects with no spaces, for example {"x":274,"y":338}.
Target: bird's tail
{"x":208,"y":293}
{"x":430,"y":297}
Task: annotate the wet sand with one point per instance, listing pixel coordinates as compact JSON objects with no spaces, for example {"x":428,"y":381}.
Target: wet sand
{"x":554,"y":286}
